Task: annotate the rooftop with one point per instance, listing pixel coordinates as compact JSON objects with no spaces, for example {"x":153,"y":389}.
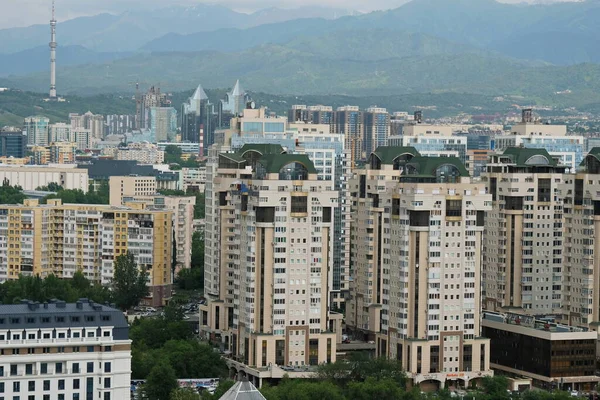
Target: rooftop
{"x":546,"y":324}
{"x":387,"y":154}
{"x":523,"y":156}
{"x":274,"y":163}
{"x":59,"y":314}
{"x":243,"y":391}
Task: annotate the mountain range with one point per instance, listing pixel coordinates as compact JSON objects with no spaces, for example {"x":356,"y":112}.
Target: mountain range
{"x":130,"y":30}
{"x":462,"y":46}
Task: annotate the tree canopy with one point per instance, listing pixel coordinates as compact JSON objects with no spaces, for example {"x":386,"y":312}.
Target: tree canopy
{"x":45,"y":289}
{"x":11,"y":194}
{"x":129,"y":282}
{"x":77,"y":196}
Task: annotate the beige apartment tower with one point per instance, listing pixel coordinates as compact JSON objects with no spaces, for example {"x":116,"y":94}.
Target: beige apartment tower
{"x":268,"y":262}
{"x":540,"y":243}
{"x":416,"y":248}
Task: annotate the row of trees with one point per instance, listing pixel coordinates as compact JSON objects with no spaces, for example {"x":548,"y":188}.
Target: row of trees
{"x":361,"y":378}
{"x":69,"y":196}
{"x":128,"y":287}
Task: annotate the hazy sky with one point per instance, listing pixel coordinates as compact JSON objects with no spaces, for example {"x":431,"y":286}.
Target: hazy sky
{"x":15,"y":13}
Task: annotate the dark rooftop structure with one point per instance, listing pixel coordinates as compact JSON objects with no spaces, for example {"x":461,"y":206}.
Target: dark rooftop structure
{"x":434,"y":170}
{"x":59,"y":314}
{"x":397,"y":156}
{"x":527,"y":160}
{"x":104,"y":169}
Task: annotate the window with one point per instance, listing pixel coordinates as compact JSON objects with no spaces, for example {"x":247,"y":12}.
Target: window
{"x":90,"y":367}
{"x":61,"y":384}
{"x":75,"y":368}
{"x":75,"y":383}
{"x":47,"y":386}
{"x":46,"y":397}
{"x":107,"y":367}
{"x":75,"y":396}
{"x":90,"y":349}
{"x":106,"y":383}
{"x":106,"y":395}
{"x":61,"y":396}
{"x":58,"y":369}
{"x":13,"y":369}
{"x":16,"y":387}
{"x":108,"y":348}
{"x":1,"y":387}
{"x":43,"y":368}
{"x":31,"y":386}
{"x":28,"y":369}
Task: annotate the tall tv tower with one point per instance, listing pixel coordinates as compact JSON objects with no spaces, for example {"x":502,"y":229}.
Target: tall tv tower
{"x":53,"y":55}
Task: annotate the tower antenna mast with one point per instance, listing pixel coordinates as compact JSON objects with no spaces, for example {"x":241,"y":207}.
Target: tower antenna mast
{"x":53,"y":45}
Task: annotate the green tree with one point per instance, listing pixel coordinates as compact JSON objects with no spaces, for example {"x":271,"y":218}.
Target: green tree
{"x":199,"y":209}
{"x":11,"y":194}
{"x":129,"y":282}
{"x":197,"y":260}
{"x":495,"y":387}
{"x":374,"y":389}
{"x":160,"y":382}
{"x":51,"y":187}
{"x":185,"y":394}
{"x":190,"y":279}
{"x":300,"y":389}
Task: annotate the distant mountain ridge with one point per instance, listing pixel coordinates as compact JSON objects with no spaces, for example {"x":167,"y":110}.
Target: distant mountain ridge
{"x":516,"y":30}
{"x":131,"y":30}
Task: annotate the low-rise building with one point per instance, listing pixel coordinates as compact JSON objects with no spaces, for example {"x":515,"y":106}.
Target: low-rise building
{"x":68,"y":351}
{"x":143,"y":153}
{"x":553,"y":355}
{"x":30,"y":177}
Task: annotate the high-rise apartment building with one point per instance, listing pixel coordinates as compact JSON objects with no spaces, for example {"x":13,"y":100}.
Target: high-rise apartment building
{"x":94,"y":123}
{"x":349,"y":122}
{"x":533,"y":133}
{"x":144,"y":103}
{"x":181,"y":207}
{"x":163,"y":124}
{"x":541,"y":236}
{"x":55,"y":153}
{"x":61,"y":239}
{"x":73,"y":351}
{"x":269,"y":239}
{"x":13,"y":144}
{"x":376,"y":128}
{"x":60,"y":132}
{"x":36,"y":129}
{"x":524,"y":242}
{"x":331,"y":160}
{"x":430,"y":140}
{"x":119,"y":124}
{"x":416,"y":248}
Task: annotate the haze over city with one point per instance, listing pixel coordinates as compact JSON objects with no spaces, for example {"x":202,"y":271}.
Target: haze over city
{"x":14,"y":15}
